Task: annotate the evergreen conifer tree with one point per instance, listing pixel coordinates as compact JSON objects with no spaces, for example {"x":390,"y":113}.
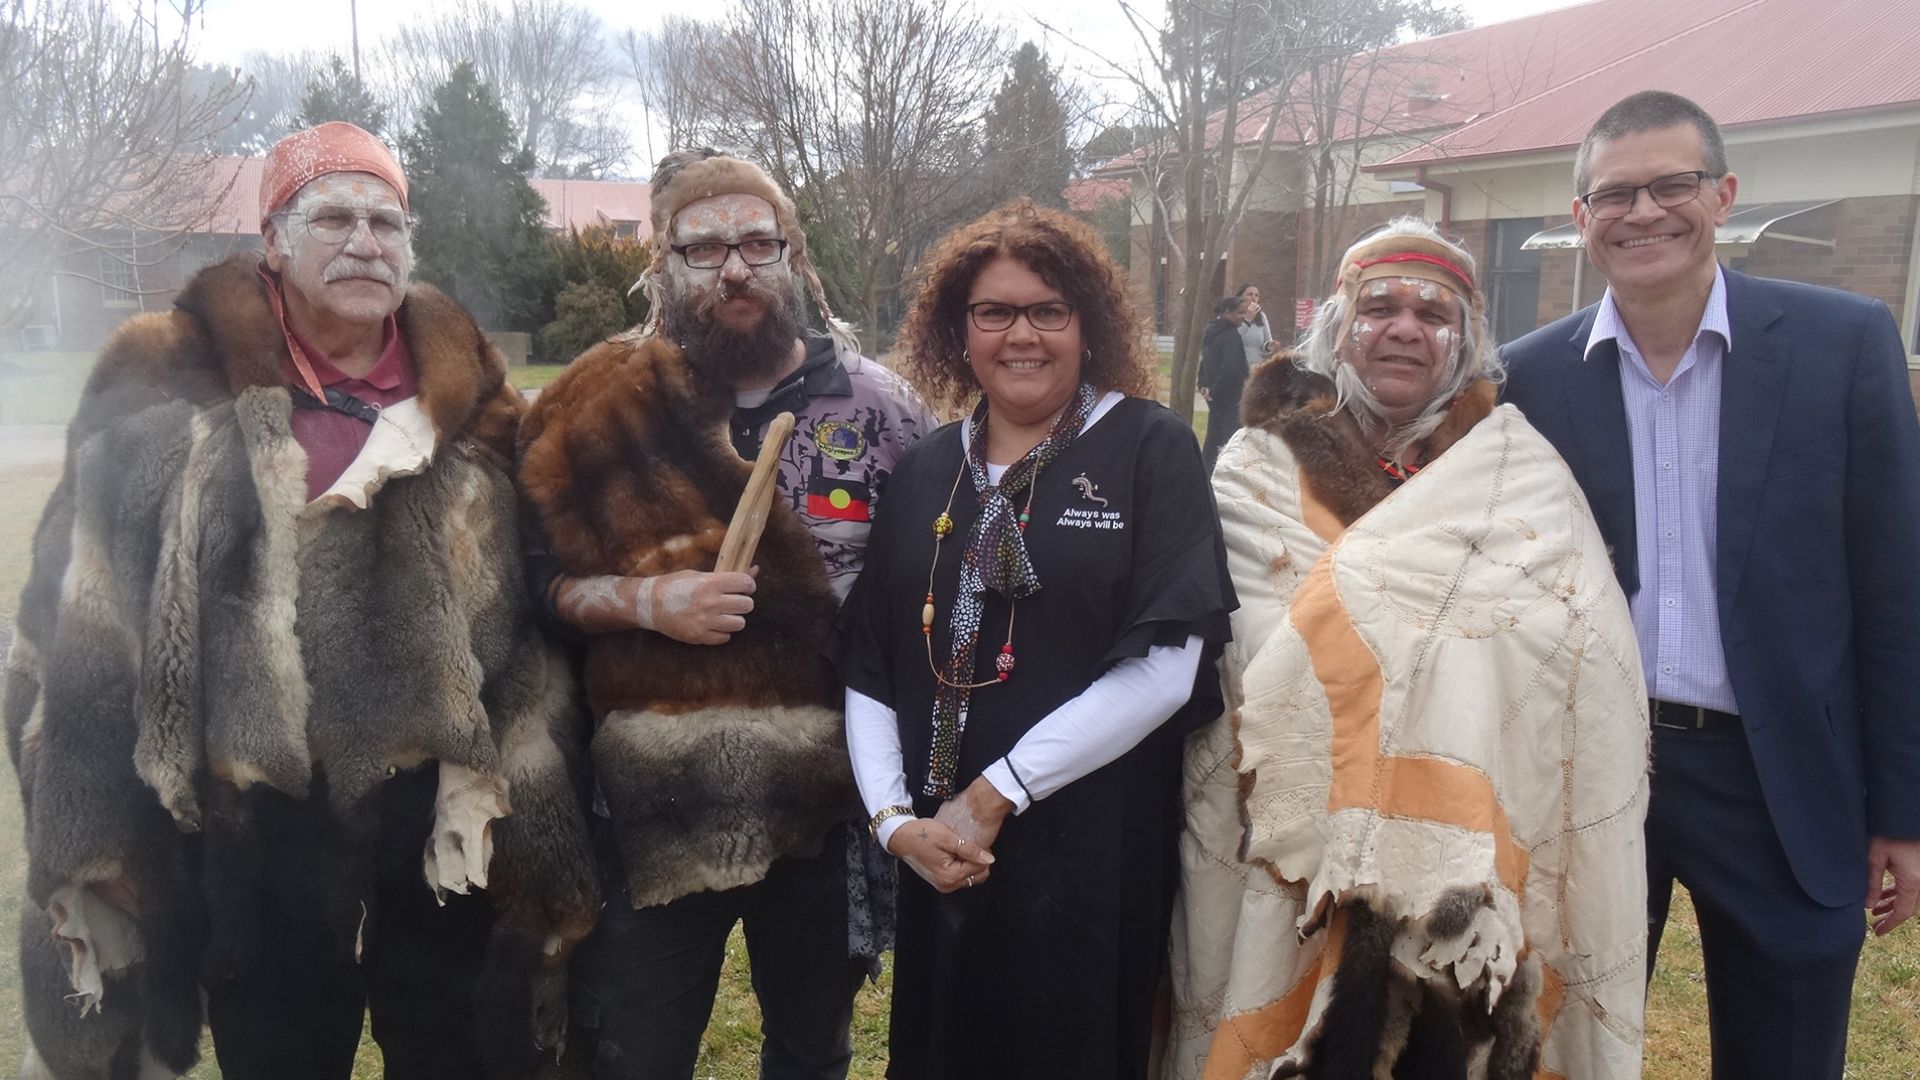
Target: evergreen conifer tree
{"x":337,"y":94}
{"x":480,"y":236}
{"x":1025,"y":133}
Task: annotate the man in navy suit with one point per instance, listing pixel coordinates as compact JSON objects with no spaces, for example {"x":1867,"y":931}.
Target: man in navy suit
{"x":1750,"y":450}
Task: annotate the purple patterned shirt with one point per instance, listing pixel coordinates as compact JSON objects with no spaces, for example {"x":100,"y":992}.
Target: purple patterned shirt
{"x":1674,"y":432}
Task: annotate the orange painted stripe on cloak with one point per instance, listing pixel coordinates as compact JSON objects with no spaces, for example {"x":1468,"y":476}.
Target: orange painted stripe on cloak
{"x":1422,"y":788}
{"x":1260,"y":1035}
{"x":1553,"y":990}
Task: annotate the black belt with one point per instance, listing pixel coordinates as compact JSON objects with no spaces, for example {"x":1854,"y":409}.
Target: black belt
{"x":1672,"y":717}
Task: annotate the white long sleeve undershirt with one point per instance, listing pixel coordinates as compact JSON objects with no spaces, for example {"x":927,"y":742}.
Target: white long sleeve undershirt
{"x":1095,"y":727}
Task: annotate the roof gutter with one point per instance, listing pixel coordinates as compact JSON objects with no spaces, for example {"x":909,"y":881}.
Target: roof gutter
{"x":1446,"y":196}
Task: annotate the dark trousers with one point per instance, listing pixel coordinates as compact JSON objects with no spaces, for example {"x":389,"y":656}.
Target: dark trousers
{"x":1779,"y":966}
{"x":294,"y":1011}
{"x":644,"y":980}
{"x":1223,"y":419}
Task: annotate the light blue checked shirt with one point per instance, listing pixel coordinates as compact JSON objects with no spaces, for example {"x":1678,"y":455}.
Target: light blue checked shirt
{"x":1674,"y":432}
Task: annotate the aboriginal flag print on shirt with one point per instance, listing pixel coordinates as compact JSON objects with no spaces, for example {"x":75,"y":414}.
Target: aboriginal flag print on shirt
{"x":838,"y":499}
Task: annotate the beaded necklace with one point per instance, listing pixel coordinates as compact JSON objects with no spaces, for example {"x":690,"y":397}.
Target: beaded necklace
{"x":942,"y":526}
{"x":995,"y":560}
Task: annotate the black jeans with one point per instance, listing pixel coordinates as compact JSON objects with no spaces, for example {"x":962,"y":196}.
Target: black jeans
{"x":644,"y":980}
{"x":294,"y":1011}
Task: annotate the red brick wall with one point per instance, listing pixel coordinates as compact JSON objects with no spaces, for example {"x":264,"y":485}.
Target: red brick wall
{"x":1873,"y":244}
{"x":1347,"y":225}
{"x":1262,"y":253}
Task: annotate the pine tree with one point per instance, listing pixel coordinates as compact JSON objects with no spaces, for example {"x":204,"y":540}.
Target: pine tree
{"x":480,"y":236}
{"x":338,"y":94}
{"x":1025,"y":133}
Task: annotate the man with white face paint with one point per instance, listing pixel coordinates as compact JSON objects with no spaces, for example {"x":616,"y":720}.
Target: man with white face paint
{"x":276,"y":606}
{"x":1413,"y":841}
{"x":727,"y":329}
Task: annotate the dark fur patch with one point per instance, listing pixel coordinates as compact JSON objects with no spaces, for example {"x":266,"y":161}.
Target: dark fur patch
{"x":1355,"y":1021}
{"x":1338,"y":466}
{"x":1364,"y":1030}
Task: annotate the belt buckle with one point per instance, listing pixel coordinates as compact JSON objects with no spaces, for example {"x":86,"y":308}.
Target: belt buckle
{"x":1699,"y":717}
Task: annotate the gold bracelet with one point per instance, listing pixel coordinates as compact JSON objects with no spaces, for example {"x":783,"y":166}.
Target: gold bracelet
{"x":873,"y":827}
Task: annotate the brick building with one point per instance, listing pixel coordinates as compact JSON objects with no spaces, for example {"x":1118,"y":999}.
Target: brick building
{"x":1477,"y":131}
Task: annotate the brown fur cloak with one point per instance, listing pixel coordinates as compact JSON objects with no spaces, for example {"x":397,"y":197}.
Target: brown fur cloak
{"x":714,"y":760}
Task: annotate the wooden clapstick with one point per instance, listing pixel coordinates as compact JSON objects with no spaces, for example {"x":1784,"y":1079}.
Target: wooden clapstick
{"x":750,"y":517}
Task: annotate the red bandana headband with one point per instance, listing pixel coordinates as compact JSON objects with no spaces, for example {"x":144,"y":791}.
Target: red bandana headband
{"x":1449,"y":266}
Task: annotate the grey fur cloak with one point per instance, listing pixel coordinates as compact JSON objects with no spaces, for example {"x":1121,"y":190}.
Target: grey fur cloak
{"x":194,"y":627}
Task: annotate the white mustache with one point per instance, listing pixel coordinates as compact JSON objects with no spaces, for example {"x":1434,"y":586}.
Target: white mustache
{"x":352,"y":266}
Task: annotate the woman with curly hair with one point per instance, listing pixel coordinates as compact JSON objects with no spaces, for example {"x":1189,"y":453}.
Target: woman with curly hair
{"x":1035,"y":631}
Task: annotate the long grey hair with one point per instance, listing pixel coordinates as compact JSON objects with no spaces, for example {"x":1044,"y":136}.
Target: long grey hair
{"x":1472,"y":358}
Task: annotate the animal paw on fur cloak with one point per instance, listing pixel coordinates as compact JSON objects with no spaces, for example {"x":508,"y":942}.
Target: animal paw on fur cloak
{"x":714,"y":760}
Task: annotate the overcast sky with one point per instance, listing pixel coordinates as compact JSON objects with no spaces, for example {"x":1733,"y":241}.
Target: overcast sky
{"x":1086,"y":28}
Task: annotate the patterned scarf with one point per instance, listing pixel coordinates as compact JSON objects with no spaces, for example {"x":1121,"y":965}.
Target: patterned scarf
{"x":995,"y":558}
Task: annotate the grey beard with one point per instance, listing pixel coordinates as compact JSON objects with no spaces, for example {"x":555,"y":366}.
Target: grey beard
{"x":735,"y":356}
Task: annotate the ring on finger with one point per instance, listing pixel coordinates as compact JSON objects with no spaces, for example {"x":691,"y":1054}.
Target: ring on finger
{"x":969,"y":881}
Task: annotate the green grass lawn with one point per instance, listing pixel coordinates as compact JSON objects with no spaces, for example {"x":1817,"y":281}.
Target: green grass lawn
{"x":1885,"y":1034}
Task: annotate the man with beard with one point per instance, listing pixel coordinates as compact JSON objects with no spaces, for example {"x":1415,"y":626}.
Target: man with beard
{"x":728,"y":259}
{"x":276,"y":604}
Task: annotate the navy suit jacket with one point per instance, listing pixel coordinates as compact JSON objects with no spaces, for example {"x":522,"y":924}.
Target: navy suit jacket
{"x":1817,"y":573}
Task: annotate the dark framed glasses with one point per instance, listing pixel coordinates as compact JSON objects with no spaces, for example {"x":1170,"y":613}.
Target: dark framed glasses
{"x":992,"y":315}
{"x":712,"y":256}
{"x":1671,"y":190}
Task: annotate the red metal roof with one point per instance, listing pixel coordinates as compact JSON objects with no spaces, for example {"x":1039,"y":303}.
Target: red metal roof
{"x":1084,"y":196}
{"x":570,"y":203}
{"x":1540,"y":81}
{"x":1754,"y":62}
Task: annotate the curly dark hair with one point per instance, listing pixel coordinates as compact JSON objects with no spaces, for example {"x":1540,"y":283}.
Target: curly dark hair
{"x":1068,"y":256}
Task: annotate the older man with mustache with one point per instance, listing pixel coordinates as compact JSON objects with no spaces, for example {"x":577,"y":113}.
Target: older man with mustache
{"x":274,"y":647}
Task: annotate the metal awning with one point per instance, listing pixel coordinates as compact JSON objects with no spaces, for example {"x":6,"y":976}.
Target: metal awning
{"x":1745,"y":225}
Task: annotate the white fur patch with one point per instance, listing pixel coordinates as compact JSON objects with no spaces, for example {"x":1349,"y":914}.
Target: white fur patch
{"x":462,"y":843}
{"x":100,"y":938}
{"x":401,"y":444}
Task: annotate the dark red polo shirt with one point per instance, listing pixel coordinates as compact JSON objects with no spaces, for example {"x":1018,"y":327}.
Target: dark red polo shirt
{"x":332,"y":439}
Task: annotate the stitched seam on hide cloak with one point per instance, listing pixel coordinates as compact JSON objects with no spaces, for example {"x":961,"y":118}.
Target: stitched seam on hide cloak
{"x":1264,"y":1033}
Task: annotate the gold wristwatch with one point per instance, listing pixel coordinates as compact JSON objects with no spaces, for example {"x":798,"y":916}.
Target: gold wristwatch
{"x":873,"y":827}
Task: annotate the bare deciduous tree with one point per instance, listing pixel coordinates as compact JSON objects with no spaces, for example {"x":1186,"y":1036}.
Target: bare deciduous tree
{"x":867,"y":110}
{"x":106,"y":130}
{"x":666,"y":100}
{"x":549,"y":60}
{"x":1202,"y":175}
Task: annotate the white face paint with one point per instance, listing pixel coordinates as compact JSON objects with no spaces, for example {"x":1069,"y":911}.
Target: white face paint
{"x":356,"y":280}
{"x":1404,"y":335}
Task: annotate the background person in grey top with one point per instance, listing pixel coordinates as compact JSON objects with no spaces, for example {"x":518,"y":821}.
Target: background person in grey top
{"x":1255,"y":333}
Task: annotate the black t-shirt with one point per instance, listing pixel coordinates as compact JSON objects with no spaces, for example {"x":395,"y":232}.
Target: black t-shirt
{"x":1126,"y":543}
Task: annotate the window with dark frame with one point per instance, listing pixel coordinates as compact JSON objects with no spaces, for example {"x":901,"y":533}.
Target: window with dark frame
{"x":1513,"y":280}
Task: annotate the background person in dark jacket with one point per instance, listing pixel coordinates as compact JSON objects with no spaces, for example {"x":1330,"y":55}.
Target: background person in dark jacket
{"x":1223,"y":372}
